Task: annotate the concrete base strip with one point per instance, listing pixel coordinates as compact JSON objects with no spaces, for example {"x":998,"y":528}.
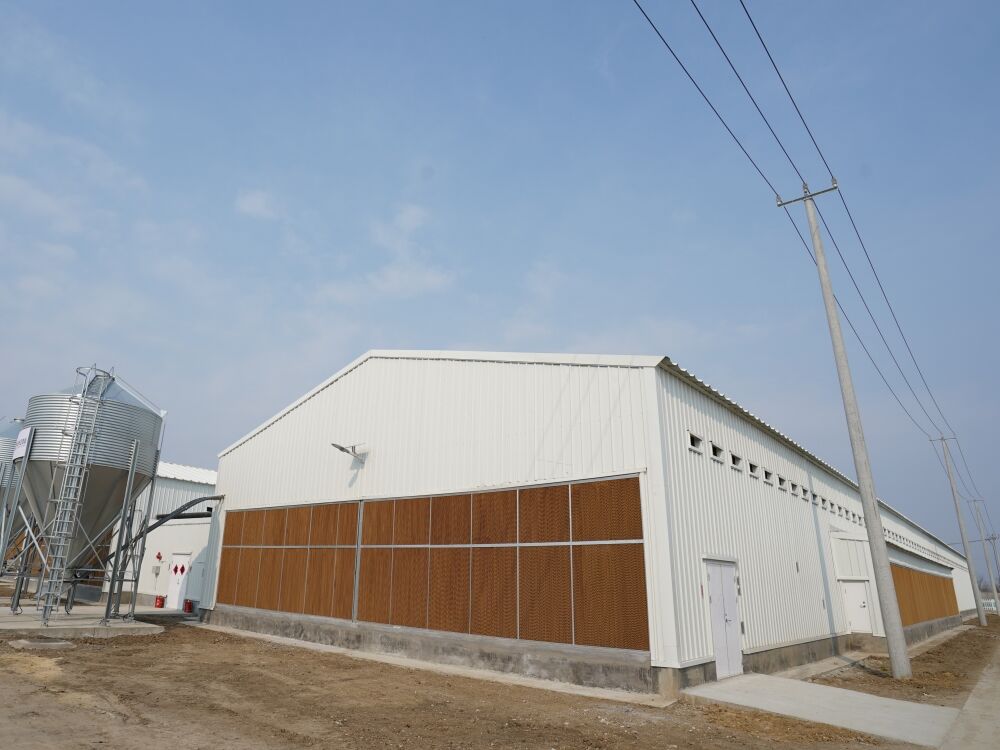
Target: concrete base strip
{"x":505,"y":678}
{"x":83,"y":622}
{"x":978,"y":725}
{"x":918,"y":723}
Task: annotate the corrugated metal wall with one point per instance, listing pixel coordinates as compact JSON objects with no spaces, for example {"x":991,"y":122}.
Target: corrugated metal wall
{"x":776,"y":522}
{"x":436,"y":426}
{"x":171,"y":494}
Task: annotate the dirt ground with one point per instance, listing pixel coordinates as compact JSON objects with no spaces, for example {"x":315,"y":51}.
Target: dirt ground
{"x":943,"y":675}
{"x":205,"y":689}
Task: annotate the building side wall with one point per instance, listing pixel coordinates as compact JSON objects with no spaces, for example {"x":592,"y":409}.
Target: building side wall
{"x":777,"y":524}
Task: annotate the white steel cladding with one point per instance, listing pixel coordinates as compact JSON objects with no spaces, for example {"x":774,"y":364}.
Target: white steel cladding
{"x":776,"y":523}
{"x":435,"y":425}
{"x":450,"y":422}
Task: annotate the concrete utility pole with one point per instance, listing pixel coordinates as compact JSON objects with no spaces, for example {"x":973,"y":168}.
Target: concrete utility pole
{"x":965,"y":537}
{"x":986,"y":555}
{"x":899,"y":660}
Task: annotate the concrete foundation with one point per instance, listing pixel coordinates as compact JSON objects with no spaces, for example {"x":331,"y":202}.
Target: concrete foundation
{"x":580,"y":665}
{"x":83,"y":622}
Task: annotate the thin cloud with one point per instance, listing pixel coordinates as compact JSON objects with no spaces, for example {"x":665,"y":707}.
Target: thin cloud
{"x":25,"y":141}
{"x":30,"y":52}
{"x":407,"y":273}
{"x":257,"y":204}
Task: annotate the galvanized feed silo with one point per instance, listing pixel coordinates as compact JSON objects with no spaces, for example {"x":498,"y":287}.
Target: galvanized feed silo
{"x":10,"y":521}
{"x":8,"y":437}
{"x":82,"y":446}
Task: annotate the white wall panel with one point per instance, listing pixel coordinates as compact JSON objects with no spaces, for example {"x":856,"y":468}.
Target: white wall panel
{"x":434,"y":426}
{"x":780,"y":540}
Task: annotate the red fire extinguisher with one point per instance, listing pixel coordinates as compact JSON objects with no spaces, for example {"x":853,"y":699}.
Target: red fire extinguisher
{"x":188,"y":606}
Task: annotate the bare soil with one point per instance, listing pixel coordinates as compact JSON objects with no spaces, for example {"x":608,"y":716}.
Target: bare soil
{"x":203,"y":689}
{"x":943,"y":675}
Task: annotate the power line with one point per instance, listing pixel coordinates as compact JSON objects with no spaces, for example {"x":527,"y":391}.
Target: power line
{"x":739,"y":143}
{"x":843,"y":260}
{"x":746,"y":88}
{"x":704,"y":95}
{"x":861,"y":241}
{"x":855,"y":331}
{"x":871,"y":315}
{"x":966,"y":464}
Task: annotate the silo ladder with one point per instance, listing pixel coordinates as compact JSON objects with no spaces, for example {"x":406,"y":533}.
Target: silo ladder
{"x":62,"y":529}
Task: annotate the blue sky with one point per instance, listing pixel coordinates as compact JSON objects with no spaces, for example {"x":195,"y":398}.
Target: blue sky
{"x":229,"y":201}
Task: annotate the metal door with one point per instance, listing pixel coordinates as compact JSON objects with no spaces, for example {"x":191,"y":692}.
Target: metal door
{"x":859,"y":618}
{"x":724,"y":608}
{"x":180,"y":569}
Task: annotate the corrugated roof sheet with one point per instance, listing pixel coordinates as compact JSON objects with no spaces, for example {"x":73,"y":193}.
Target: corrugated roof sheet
{"x":185,"y":473}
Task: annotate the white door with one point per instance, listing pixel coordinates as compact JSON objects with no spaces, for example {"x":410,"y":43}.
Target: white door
{"x":724,"y":608}
{"x":180,"y":570}
{"x":859,"y":618}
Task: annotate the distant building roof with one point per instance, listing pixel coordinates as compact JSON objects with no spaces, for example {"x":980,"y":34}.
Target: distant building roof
{"x":184,"y":473}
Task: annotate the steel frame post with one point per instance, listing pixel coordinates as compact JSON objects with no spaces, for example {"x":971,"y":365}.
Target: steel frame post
{"x":142,"y":539}
{"x":111,"y":606}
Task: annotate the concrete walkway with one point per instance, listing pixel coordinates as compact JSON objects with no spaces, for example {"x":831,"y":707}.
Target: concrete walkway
{"x":978,"y":725}
{"x":918,"y":723}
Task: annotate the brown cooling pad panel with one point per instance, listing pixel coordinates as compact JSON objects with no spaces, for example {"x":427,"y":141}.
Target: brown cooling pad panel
{"x":233,"y":533}
{"x":412,"y":523}
{"x":449,"y":594}
{"x":253,"y":528}
{"x":319,"y":582}
{"x":229,"y":568}
{"x":494,"y":517}
{"x":374,"y":584}
{"x":293,"y":580}
{"x":494,"y":591}
{"x":347,"y":524}
{"x":607,"y":510}
{"x":297,"y":526}
{"x":544,"y":594}
{"x":923,"y":596}
{"x":409,"y":587}
{"x":343,"y":584}
{"x":544,"y":514}
{"x":609,"y":596}
{"x":450,"y":519}
{"x":324,"y":525}
{"x":246,"y":589}
{"x":274,"y":527}
{"x":376,"y":522}
{"x":269,"y":578}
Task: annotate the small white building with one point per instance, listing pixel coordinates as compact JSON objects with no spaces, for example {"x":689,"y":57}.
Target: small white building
{"x":608,"y":520}
{"x":180,"y":543}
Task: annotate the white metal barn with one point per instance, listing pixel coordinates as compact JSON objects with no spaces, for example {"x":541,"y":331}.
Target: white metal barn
{"x":608,"y":520}
{"x":180,"y":543}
